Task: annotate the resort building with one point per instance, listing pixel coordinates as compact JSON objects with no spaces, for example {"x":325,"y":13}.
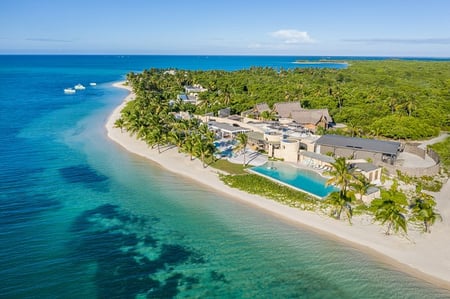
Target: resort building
{"x":371,"y":194}
{"x":225,"y":130}
{"x":312,"y":119}
{"x":285,"y":109}
{"x":315,"y":160}
{"x":288,"y":150}
{"x":196,"y":88}
{"x":369,"y":170}
{"x":188,"y":98}
{"x":261,"y":107}
{"x":256,"y":112}
{"x":256,"y":141}
{"x":225,"y":112}
{"x":358,"y":148}
{"x":186,"y":115}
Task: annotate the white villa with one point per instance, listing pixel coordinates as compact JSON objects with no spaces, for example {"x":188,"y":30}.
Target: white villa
{"x":196,"y":88}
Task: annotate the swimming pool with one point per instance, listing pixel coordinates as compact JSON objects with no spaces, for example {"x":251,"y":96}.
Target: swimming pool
{"x":303,"y":179}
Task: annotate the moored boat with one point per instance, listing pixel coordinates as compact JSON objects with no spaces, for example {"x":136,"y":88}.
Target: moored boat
{"x":69,"y":90}
{"x":79,"y":87}
{"x":92,"y":84}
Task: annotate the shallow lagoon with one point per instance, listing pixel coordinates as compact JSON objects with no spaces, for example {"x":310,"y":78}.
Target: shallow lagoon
{"x":81,"y":217}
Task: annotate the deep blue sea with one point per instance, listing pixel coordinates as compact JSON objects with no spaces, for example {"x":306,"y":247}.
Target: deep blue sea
{"x":82,"y":218}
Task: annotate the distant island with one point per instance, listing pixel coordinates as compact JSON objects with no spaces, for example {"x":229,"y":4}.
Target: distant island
{"x":321,"y":61}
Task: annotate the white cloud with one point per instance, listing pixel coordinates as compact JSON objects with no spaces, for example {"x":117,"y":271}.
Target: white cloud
{"x":292,"y":36}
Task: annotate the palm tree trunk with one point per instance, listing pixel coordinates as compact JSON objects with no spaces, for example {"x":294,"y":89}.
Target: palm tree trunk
{"x":388,"y":232}
{"x":338,"y":216}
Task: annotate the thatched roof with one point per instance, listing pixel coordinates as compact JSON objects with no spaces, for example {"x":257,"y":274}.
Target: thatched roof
{"x":261,"y":107}
{"x":285,"y":109}
{"x":311,"y":116}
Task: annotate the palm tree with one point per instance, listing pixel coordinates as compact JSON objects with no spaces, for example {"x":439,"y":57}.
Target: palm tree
{"x":341,"y":174}
{"x":176,"y":137}
{"x":361,"y":185}
{"x":156,"y":137}
{"x":242,"y":138}
{"x":119,"y":123}
{"x":392,"y":102}
{"x":206,"y":133}
{"x":189,"y":146}
{"x":390,"y":211}
{"x":423,"y":210}
{"x":203,"y":148}
{"x":268,"y":115}
{"x":341,"y":203}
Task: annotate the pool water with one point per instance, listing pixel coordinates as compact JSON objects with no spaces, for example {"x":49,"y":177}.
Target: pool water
{"x":225,"y":147}
{"x":303,"y":179}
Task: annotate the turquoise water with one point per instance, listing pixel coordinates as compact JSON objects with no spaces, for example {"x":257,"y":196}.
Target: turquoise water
{"x":82,"y":218}
{"x":303,"y":179}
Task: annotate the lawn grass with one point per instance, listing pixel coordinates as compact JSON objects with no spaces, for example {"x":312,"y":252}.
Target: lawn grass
{"x":255,"y":184}
{"x":228,"y":167}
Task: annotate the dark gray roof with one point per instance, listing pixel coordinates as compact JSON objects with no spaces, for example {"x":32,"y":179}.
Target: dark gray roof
{"x":371,"y":190}
{"x":366,"y":166}
{"x":369,"y":145}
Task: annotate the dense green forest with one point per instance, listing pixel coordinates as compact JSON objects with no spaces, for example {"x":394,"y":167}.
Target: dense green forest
{"x":392,"y":98}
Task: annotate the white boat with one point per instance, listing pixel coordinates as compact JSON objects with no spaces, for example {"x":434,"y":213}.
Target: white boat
{"x":92,"y":84}
{"x":79,"y":87}
{"x":69,"y":90}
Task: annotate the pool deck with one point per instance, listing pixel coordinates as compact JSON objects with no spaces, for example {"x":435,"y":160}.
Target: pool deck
{"x":251,"y":158}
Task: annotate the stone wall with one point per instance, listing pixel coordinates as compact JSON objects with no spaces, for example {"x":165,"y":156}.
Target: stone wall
{"x":433,"y":155}
{"x":414,"y":171}
{"x":413,"y":149}
{"x":351,"y":153}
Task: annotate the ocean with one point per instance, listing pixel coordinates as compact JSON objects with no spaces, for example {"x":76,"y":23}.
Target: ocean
{"x":80,"y":217}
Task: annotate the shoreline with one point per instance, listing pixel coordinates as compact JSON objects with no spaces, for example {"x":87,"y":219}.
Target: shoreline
{"x":421,"y":255}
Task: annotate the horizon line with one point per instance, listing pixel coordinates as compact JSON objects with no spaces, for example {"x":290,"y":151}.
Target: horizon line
{"x":217,"y":55}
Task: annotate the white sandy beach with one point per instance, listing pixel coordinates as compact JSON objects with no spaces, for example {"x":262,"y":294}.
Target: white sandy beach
{"x":426,"y":256}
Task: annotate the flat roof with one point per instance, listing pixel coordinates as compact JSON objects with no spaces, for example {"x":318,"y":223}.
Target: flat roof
{"x":226,"y":127}
{"x":369,"y":145}
{"x":320,"y":157}
{"x":256,"y":136}
{"x":366,"y":166}
{"x":371,"y":190}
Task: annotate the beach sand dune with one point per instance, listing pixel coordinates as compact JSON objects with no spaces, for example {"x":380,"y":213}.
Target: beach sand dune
{"x":426,"y":256}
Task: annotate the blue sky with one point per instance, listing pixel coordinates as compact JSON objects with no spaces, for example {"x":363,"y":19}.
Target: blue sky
{"x":276,"y":27}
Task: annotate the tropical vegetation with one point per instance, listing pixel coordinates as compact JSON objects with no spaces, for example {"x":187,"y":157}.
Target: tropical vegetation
{"x":255,"y":184}
{"x":391,"y":209}
{"x":394,"y":99}
{"x":342,"y":177}
{"x":391,"y":98}
{"x":423,"y":209}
